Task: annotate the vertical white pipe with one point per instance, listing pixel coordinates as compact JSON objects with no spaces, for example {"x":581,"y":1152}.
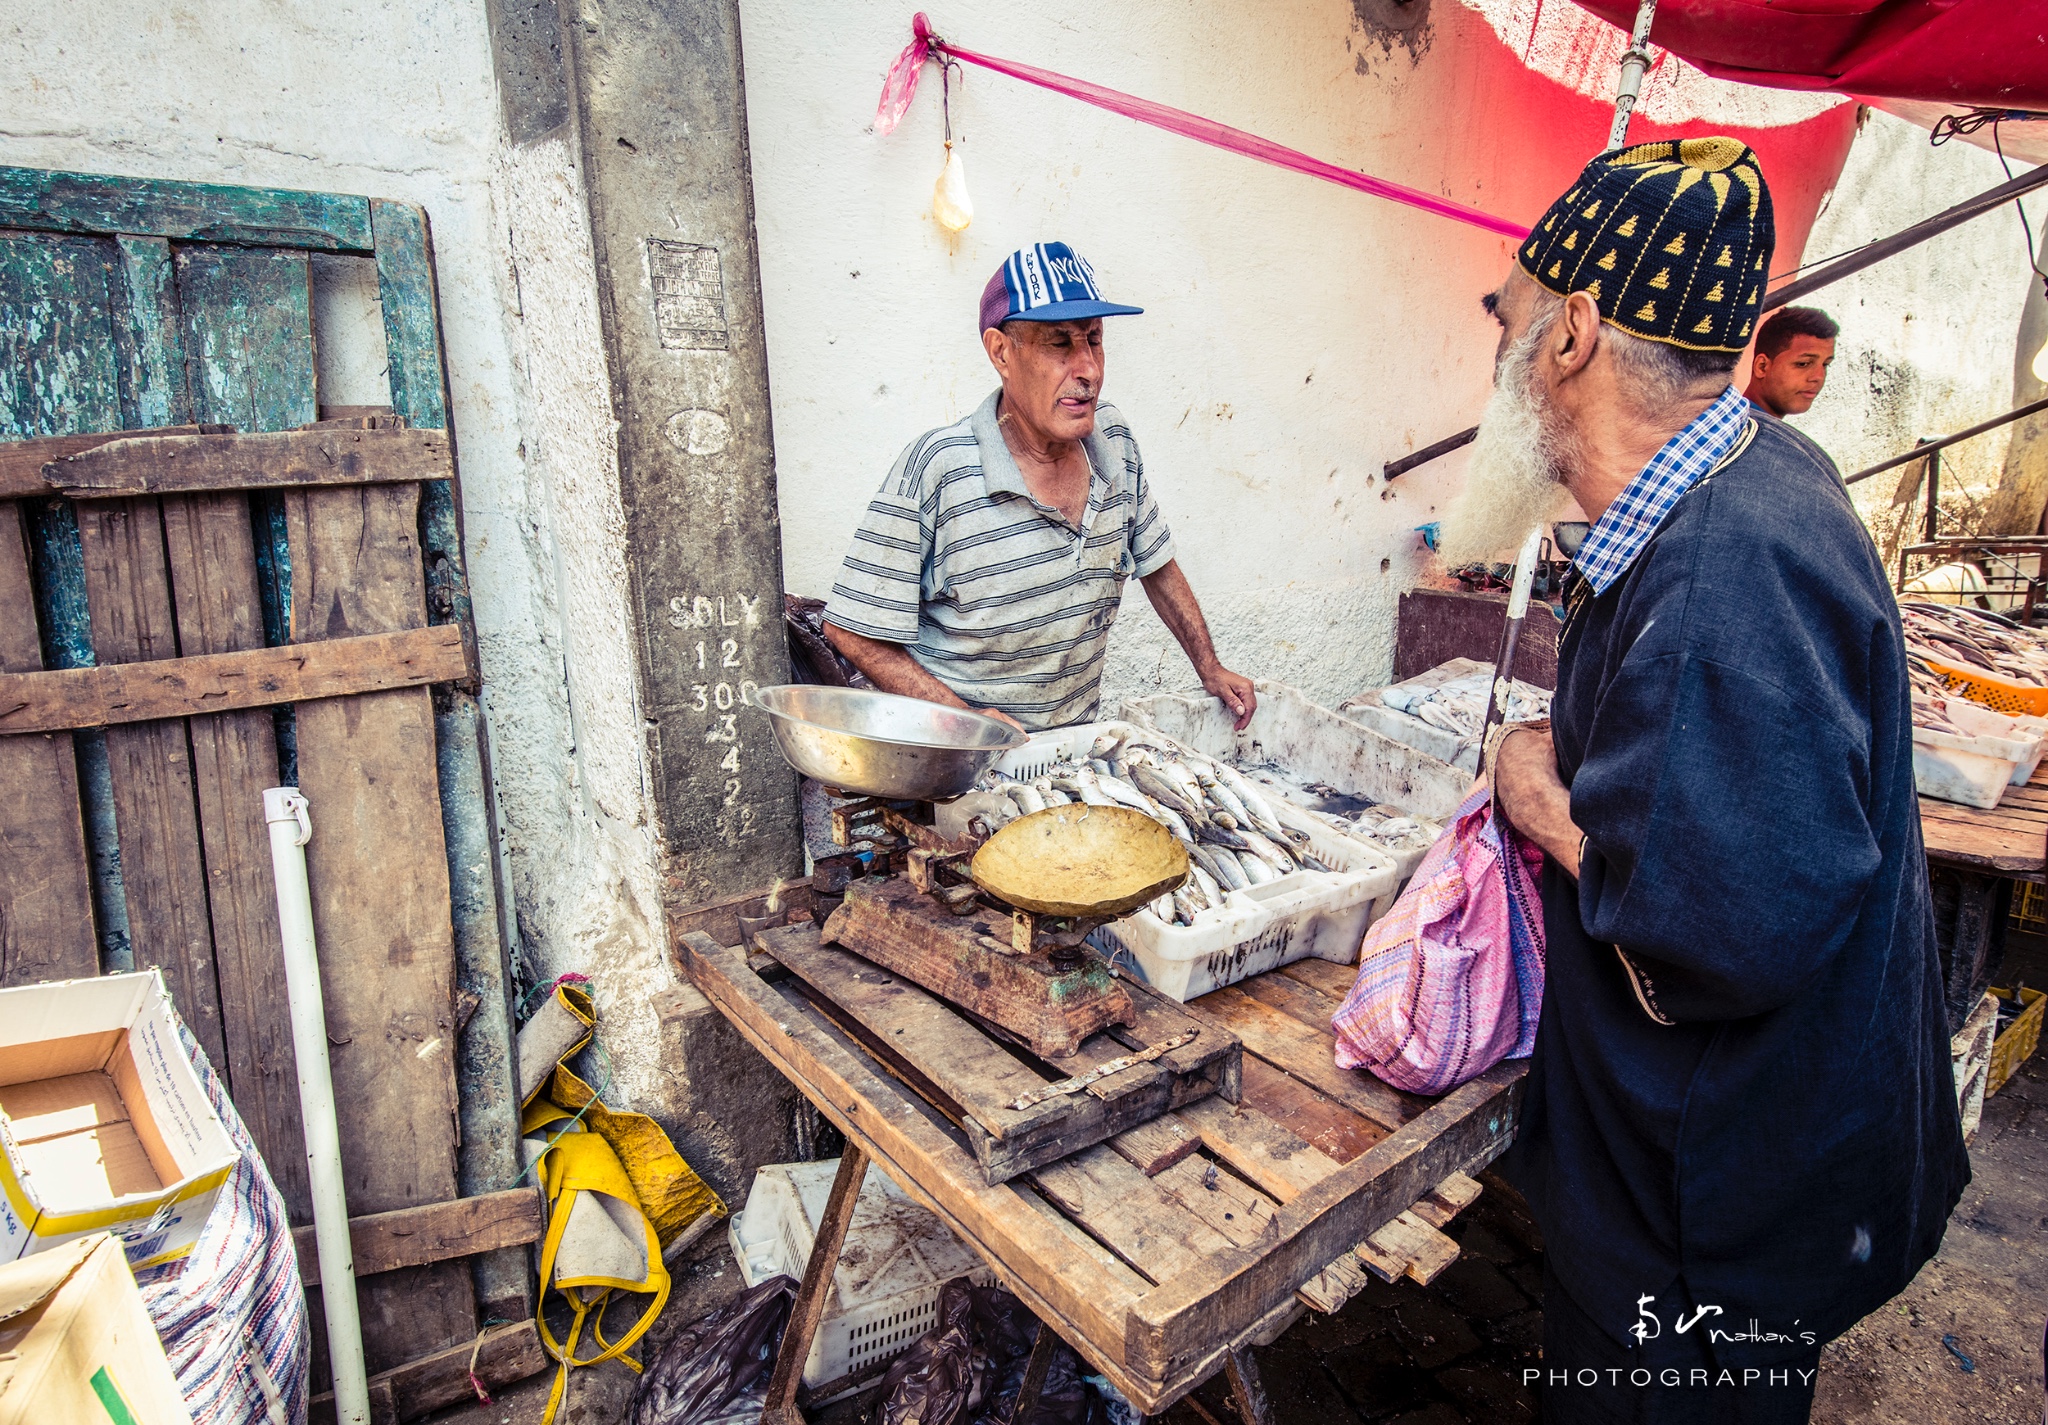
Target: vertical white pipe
{"x":290,"y":829}
{"x":1635,"y":62}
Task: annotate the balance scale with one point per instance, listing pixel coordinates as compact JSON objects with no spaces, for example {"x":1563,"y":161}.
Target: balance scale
{"x":996,"y":923}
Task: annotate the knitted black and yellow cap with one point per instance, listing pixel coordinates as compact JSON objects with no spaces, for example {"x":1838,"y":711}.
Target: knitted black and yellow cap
{"x":1672,"y":240}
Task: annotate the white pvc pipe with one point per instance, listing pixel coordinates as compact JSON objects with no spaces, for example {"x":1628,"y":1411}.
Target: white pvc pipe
{"x":1635,"y":61}
{"x":290,"y":829}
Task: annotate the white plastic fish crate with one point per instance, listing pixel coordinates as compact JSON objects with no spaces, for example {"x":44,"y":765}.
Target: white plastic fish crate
{"x":885,"y":1292}
{"x":1304,"y":913}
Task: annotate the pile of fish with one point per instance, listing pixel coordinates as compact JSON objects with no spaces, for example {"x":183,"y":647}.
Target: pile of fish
{"x":1382,"y":823}
{"x":1233,"y":838}
{"x":1459,"y":706}
{"x":1971,"y":638}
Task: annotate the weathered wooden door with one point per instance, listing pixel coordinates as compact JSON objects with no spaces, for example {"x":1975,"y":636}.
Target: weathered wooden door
{"x":129,"y":304}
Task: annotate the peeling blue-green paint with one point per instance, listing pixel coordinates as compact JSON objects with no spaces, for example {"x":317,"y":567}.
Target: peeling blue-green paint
{"x":200,"y":310}
{"x":184,"y":212}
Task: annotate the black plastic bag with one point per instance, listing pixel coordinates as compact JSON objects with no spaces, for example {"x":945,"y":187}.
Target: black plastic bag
{"x":969,"y":1368}
{"x":716,"y":1369}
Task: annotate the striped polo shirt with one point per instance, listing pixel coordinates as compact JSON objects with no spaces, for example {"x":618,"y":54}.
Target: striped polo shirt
{"x":993,"y":593}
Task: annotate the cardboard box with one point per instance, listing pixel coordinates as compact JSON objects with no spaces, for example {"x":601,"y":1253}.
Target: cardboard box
{"x":104,"y":1125}
{"x":76,"y":1343}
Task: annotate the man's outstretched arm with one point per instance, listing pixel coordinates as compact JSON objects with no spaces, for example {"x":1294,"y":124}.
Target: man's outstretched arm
{"x":890,"y":667}
{"x":1175,"y":604}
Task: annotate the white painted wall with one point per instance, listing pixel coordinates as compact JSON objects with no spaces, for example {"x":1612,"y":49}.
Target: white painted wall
{"x":1297,"y":335}
{"x":397,"y":100}
{"x":1928,"y":337}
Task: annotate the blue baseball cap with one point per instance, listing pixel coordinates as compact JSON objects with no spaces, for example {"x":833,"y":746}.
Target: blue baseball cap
{"x":1046,"y":282}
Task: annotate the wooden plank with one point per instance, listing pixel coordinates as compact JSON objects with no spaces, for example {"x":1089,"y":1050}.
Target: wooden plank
{"x":54,"y":201}
{"x":156,"y":810}
{"x":22,"y":461}
{"x":234,"y":758}
{"x":1336,"y":1284}
{"x":1034,"y":1259}
{"x":1179,"y":1322}
{"x":62,"y":365}
{"x":262,"y":460}
{"x":1080,"y":1242}
{"x":508,"y":1354}
{"x":1223,"y":1200}
{"x":1298,"y":1000}
{"x":412,"y":322}
{"x":813,"y":1293}
{"x":967,"y":1066}
{"x":367,"y":768}
{"x":1447,"y":1199}
{"x":238,"y":338}
{"x":71,"y":698}
{"x":435,"y":1232}
{"x":720,"y":919}
{"x":1125,"y":1211}
{"x":1332,"y":979}
{"x":927,"y":1042}
{"x":1409,"y":1247}
{"x":1278,"y":1162}
{"x":1288,"y":1044}
{"x":1326,"y":1124}
{"x":1156,"y":1146}
{"x":46,"y":924}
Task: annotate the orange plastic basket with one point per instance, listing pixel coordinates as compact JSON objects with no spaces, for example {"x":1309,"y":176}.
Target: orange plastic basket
{"x":2016,"y":699}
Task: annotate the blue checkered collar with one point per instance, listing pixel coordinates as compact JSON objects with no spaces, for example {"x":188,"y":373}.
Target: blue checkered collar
{"x":1625,"y":526}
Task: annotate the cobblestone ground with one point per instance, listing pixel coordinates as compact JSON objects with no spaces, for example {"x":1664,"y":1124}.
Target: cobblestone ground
{"x":1446,"y":1353}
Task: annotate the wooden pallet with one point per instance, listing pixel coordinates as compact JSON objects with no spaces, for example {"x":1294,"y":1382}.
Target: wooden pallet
{"x":965,"y":1069}
{"x":1155,"y":1259}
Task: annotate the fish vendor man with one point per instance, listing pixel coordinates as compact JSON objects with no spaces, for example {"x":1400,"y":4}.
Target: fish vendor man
{"x":1740,"y":1131}
{"x":990,"y":565}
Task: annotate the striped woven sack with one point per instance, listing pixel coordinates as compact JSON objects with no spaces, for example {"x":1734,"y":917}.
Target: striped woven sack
{"x":232,"y":1312}
{"x":1450,"y":981}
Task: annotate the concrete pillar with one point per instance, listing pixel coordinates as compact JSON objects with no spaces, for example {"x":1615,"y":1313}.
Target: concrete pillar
{"x":658,"y":91}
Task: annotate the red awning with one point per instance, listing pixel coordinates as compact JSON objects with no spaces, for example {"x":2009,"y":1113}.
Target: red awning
{"x":1991,"y":53}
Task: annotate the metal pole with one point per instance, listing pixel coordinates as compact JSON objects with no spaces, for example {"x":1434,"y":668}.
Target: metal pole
{"x":1635,"y":63}
{"x":1933,"y":490}
{"x":1922,"y":447}
{"x":1511,"y":636}
{"x":290,"y":829}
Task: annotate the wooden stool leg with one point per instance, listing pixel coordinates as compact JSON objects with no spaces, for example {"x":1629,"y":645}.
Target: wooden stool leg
{"x":809,"y":1307}
{"x":1035,"y":1370}
{"x":1246,"y":1389}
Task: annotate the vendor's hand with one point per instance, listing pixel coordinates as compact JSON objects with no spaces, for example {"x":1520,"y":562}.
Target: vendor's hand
{"x":1001,"y":716}
{"x":1236,"y":691}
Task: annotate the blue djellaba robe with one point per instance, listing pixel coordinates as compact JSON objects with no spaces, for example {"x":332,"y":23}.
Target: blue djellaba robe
{"x":1741,"y":1089}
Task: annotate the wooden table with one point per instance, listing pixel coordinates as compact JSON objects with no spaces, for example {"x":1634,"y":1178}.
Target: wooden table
{"x":1973,"y":859}
{"x":1158,"y":1266}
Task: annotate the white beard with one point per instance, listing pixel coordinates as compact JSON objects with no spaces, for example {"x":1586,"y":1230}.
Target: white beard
{"x":1516,"y":477}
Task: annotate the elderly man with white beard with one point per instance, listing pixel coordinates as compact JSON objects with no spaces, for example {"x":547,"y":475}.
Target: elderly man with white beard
{"x":1740,"y":1132}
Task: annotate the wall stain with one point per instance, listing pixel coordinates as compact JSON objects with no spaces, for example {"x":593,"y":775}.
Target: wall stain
{"x":1387,"y":25}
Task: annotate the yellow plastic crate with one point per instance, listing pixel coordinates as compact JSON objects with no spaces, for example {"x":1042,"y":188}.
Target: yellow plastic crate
{"x":2015,"y":699}
{"x":2030,"y":908}
{"x":2017,"y":1044}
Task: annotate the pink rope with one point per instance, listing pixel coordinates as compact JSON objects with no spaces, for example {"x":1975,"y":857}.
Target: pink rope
{"x":901,"y":87}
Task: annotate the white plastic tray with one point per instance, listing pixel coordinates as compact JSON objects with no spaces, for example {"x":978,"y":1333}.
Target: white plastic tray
{"x":1321,"y":913}
{"x":885,"y":1293}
